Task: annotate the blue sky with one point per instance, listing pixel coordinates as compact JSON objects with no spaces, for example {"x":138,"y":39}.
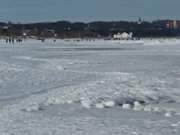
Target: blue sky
{"x":87,"y":10}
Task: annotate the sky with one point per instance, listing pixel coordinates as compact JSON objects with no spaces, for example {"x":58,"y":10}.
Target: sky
{"x":87,"y":10}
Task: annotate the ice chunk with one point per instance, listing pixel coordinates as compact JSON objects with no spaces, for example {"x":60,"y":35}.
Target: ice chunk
{"x":109,"y":103}
{"x":33,"y":107}
{"x":126,"y":106}
{"x":69,"y":101}
{"x":148,"y":108}
{"x":138,"y":106}
{"x":99,"y":105}
{"x":168,"y":114}
{"x":85,"y":103}
{"x":60,"y":67}
{"x":53,"y":100}
{"x":174,"y":125}
{"x":157,"y":110}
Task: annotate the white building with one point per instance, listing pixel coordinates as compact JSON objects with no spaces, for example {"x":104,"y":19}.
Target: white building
{"x":123,"y":36}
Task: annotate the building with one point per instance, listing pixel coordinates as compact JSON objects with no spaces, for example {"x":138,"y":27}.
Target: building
{"x":123,"y":36}
{"x":173,"y":24}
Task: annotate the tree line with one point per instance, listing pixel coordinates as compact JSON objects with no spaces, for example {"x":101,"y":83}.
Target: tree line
{"x":66,"y":29}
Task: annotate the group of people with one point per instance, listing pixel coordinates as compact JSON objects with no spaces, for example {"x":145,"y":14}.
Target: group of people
{"x":13,"y":40}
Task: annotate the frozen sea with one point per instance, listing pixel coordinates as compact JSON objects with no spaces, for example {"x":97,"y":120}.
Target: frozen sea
{"x":97,"y":87}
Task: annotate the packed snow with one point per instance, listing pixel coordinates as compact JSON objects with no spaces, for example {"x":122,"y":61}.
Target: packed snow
{"x":85,"y":87}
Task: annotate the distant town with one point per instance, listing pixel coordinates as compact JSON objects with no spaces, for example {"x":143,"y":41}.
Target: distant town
{"x":99,"y":29}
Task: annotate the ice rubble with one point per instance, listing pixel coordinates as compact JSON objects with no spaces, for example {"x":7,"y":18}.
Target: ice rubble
{"x":88,"y":97}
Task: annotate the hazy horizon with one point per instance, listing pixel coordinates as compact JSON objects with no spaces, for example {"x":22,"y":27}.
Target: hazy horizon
{"x":84,"y":10}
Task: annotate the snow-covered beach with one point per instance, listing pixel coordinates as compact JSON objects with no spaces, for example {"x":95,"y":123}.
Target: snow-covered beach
{"x":94,"y":87}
